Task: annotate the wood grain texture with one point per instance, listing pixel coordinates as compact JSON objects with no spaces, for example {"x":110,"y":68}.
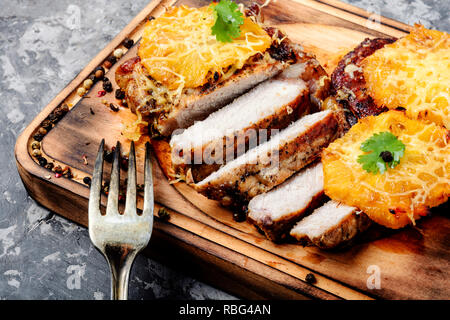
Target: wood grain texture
{"x":413,"y":262}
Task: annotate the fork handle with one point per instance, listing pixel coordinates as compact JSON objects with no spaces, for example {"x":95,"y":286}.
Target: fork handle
{"x":120,"y":259}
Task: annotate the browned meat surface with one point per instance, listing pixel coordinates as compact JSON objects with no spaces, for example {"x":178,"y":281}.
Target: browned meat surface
{"x":330,"y":226}
{"x":254,"y":172}
{"x":348,"y":83}
{"x":275,"y":212}
{"x":196,"y":104}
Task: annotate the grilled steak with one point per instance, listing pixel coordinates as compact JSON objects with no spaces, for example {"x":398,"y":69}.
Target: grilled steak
{"x":348,"y":83}
{"x":196,"y":104}
{"x":237,"y":127}
{"x":272,"y":162}
{"x":332,"y":225}
{"x":276,"y":211}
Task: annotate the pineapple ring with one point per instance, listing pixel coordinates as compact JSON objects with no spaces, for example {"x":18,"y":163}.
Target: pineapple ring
{"x":179,"y":50}
{"x":402,"y":194}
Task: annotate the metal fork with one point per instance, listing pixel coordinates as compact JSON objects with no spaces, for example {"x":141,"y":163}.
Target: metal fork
{"x":120,"y":237}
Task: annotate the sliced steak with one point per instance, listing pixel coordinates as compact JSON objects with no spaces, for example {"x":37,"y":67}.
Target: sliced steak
{"x":348,"y":83}
{"x":332,"y":225}
{"x":276,"y":211}
{"x":272,"y":162}
{"x":234,"y":129}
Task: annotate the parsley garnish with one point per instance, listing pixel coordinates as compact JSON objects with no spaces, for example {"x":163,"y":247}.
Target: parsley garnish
{"x":228,"y":21}
{"x":380,"y":145}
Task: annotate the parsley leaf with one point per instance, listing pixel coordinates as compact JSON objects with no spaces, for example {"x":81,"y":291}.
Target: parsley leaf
{"x":377,"y":144}
{"x":228,"y":21}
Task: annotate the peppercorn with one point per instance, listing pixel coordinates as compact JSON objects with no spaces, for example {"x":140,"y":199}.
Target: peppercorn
{"x":42,"y":131}
{"x":310,"y":278}
{"x":36,"y":153}
{"x":59,"y":113}
{"x":120,"y":94}
{"x":38,"y":137}
{"x":118,"y":53}
{"x":239,"y":216}
{"x":216,"y":76}
{"x":108,"y":156}
{"x":57,"y":169}
{"x":99,"y":72}
{"x":42,"y":161}
{"x":81,"y":91}
{"x":128,"y":43}
{"x":46,"y":124}
{"x":92,"y":77}
{"x":58,"y":175}
{"x":111,"y":59}
{"x":49,"y":166}
{"x":151,"y":18}
{"x":124,"y":103}
{"x":163,"y":214}
{"x":107,"y":85}
{"x":87,"y":84}
{"x":87,"y":180}
{"x":53,"y":118}
{"x":113,"y":107}
{"x":386,"y":156}
{"x":67,"y":173}
{"x":35,"y":145}
{"x":64,"y":108}
{"x":107,"y":64}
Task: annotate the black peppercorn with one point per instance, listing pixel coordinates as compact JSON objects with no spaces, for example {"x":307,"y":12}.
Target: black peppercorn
{"x":216,"y":76}
{"x":49,"y":166}
{"x":310,"y":278}
{"x":107,"y":85}
{"x":108,"y":156}
{"x":87,"y":180}
{"x":120,"y":94}
{"x":38,"y":137}
{"x":53,"y":117}
{"x":42,"y":161}
{"x":46,"y":124}
{"x":111,"y":59}
{"x":92,"y":77}
{"x":128,"y":43}
{"x":64,"y":108}
{"x":113,"y":107}
{"x":386,"y":156}
{"x":163,"y":214}
{"x":239,"y":216}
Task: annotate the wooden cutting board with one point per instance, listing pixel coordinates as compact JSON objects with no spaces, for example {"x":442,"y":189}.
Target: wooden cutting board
{"x":202,"y":236}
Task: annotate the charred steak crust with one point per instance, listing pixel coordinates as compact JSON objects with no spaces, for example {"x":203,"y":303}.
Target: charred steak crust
{"x":348,"y":84}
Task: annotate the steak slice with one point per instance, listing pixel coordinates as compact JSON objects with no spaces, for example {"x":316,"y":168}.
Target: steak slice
{"x":237,"y":127}
{"x":276,"y":211}
{"x":348,"y":83}
{"x":332,"y":225}
{"x":272,"y":162}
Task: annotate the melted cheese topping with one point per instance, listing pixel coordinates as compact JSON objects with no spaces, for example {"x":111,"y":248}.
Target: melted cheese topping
{"x":179,"y":50}
{"x":402,"y":194}
{"x":413,"y":73}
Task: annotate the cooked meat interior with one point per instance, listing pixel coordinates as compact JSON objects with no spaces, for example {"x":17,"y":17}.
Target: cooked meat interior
{"x":331,"y":225}
{"x":232,"y":130}
{"x":272,"y":162}
{"x":276,"y":211}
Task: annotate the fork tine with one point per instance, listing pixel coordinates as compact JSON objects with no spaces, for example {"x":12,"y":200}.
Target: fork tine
{"x":96,"y":183}
{"x":113,"y":195}
{"x":130,"y":204}
{"x":148,"y":184}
